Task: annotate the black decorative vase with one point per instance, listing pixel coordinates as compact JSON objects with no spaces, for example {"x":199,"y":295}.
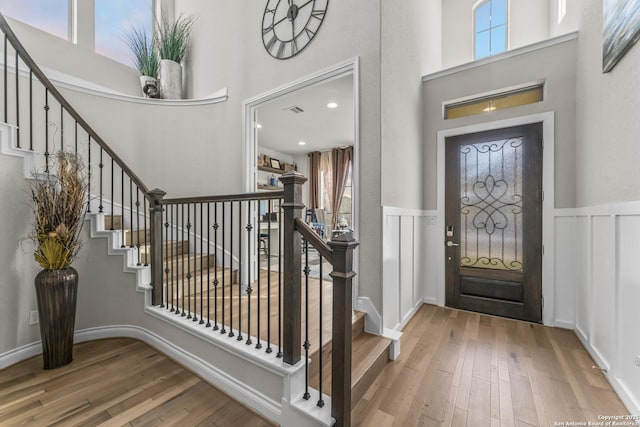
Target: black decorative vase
{"x":57,"y":291}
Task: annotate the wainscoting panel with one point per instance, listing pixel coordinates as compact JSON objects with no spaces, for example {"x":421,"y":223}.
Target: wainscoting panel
{"x":409,"y":268}
{"x":603,"y":287}
{"x":564,"y":273}
{"x":597,"y":258}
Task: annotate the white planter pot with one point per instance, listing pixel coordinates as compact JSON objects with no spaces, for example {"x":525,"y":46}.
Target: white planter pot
{"x":149,"y":87}
{"x":170,"y":76}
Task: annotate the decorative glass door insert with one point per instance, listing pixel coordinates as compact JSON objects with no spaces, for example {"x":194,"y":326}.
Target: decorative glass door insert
{"x":491,"y":204}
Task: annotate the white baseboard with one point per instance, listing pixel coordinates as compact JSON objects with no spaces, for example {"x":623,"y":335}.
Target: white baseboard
{"x":19,"y":354}
{"x":624,"y":394}
{"x":373,"y":320}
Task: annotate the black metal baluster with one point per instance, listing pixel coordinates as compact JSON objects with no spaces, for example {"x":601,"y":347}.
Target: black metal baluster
{"x":267,"y":254}
{"x":6,"y":113}
{"x":113,"y":198}
{"x":165,"y":256}
{"x":224,"y":208}
{"x":231,"y":334}
{"x":189,"y":261}
{"x":170,"y":263}
{"x":122,"y":212}
{"x":169,"y":256}
{"x":306,"y":344}
{"x":209,"y":269}
{"x":18,"y":100}
{"x":182,"y":278}
{"x":320,"y":399}
{"x":239,"y":271}
{"x":101,"y":166}
{"x":144,"y":224}
{"x":76,"y":138}
{"x":279,"y":354}
{"x":62,"y":128}
{"x":88,"y":174}
{"x":201,"y":266}
{"x":195,"y":261}
{"x":215,"y":267}
{"x":138,"y":243}
{"x":249,"y":288}
{"x":46,"y":124}
{"x":31,"y":112}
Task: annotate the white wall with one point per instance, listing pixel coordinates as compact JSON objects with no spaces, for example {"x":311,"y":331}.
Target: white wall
{"x":529,"y":23}
{"x":598,"y":288}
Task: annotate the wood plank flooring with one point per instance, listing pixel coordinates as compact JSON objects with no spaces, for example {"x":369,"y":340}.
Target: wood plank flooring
{"x":115,"y":382}
{"x":458,"y":368}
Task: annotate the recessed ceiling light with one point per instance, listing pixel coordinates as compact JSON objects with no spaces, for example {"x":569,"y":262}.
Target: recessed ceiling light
{"x":302,"y":143}
{"x":258,"y":125}
{"x":332,"y":105}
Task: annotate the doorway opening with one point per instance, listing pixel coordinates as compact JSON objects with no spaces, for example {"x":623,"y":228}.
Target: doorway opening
{"x":310,"y":126}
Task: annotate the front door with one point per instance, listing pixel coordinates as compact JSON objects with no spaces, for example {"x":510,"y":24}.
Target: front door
{"x":493,"y":230}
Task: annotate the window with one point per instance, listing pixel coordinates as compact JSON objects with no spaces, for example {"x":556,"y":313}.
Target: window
{"x":113,"y":19}
{"x":490,"y":28}
{"x":497,"y":101}
{"x":51,"y":16}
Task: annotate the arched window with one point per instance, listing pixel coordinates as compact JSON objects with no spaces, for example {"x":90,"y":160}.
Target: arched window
{"x":490,"y":28}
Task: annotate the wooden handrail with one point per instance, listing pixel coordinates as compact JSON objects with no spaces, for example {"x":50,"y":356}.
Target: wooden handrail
{"x":31,"y":64}
{"x":263,"y":195}
{"x":315,"y":240}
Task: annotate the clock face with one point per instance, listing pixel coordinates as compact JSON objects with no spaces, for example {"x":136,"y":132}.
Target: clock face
{"x":288,"y":26}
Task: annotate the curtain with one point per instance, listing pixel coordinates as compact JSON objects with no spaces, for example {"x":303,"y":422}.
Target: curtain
{"x":340,"y":160}
{"x":314,"y":180}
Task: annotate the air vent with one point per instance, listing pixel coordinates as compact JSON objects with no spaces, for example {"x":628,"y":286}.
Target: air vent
{"x":295,"y":109}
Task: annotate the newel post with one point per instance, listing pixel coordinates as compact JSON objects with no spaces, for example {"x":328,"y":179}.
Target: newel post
{"x":342,"y":247}
{"x":292,"y":293}
{"x":155,"y":231}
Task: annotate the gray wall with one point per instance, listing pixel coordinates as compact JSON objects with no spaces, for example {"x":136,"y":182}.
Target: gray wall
{"x":227,"y":51}
{"x":555,"y":64}
{"x":410,"y":47}
{"x":607,"y":118}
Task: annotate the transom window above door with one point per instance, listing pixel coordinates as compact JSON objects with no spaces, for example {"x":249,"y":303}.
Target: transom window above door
{"x":490,"y":28}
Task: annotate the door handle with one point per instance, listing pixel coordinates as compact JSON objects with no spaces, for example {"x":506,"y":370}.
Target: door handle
{"x":451,"y":244}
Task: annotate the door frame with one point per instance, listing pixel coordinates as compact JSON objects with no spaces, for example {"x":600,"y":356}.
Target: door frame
{"x":548,"y":125}
{"x":250,"y":143}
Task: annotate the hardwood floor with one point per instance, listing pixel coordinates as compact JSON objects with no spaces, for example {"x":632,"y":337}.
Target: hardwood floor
{"x":465,"y":369}
{"x":115,"y":382}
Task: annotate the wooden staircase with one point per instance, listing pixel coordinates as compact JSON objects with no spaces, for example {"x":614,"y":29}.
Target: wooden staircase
{"x":369,"y":355}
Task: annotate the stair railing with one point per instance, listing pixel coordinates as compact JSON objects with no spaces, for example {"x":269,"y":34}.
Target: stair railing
{"x":339,"y":253}
{"x":45,"y":123}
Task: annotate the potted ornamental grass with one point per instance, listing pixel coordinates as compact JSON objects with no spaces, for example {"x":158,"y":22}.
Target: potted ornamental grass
{"x":172,"y":41}
{"x":142,"y":45}
{"x":59,"y":205}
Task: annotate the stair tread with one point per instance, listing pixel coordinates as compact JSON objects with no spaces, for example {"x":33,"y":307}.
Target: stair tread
{"x":365,"y":350}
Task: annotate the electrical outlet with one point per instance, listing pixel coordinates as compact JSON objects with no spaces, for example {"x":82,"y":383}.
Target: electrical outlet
{"x":33,"y":318}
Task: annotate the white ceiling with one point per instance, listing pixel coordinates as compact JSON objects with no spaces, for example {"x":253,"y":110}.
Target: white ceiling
{"x":320,"y":127}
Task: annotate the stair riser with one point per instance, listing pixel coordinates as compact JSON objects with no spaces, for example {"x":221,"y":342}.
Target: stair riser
{"x":180,"y":268}
{"x":193,"y":287}
{"x":172,"y":248}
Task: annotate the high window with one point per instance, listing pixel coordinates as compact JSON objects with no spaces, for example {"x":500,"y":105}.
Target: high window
{"x":490,"y":28}
{"x":114,"y":18}
{"x":51,"y":16}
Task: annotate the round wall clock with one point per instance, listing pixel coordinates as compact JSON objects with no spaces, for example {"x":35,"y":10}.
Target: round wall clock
{"x":288,"y":26}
